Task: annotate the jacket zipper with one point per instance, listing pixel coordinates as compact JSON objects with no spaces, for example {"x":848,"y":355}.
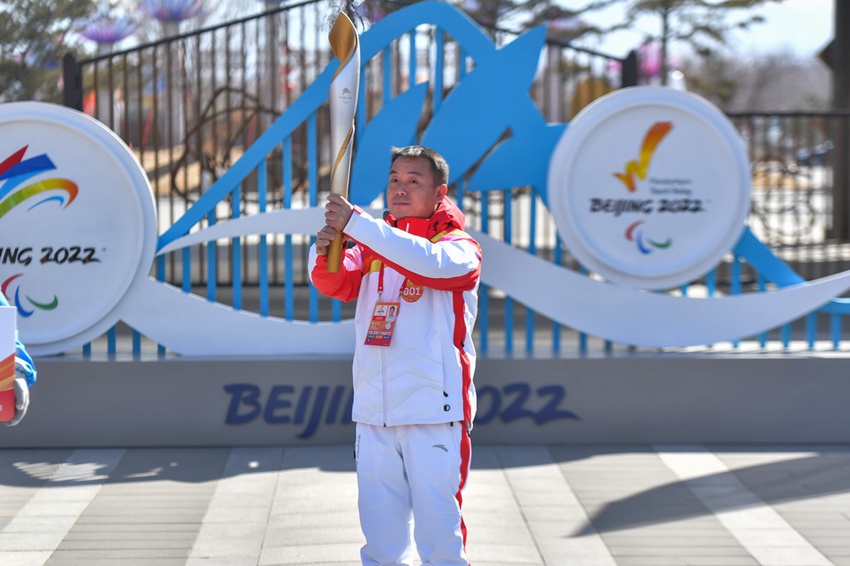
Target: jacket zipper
{"x":384,"y":384}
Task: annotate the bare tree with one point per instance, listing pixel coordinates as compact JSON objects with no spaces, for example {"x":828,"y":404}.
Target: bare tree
{"x":777,"y":82}
{"x":703,"y":25}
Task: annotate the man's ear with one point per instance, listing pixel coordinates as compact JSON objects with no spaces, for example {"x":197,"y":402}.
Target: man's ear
{"x":441,"y":192}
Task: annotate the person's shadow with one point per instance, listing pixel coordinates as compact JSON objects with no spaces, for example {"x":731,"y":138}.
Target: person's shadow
{"x":80,"y":467}
{"x":825,"y":473}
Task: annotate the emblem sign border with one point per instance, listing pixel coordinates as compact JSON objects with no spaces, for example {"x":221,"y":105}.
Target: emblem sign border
{"x":114,"y":210}
{"x":706,"y":155}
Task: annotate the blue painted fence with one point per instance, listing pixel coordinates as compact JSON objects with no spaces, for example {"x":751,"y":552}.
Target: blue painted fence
{"x":401,"y":74}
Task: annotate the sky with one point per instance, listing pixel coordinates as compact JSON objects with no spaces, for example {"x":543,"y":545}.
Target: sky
{"x":801,"y":27}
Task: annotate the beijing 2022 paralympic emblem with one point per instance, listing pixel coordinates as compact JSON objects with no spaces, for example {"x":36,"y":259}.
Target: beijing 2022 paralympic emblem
{"x":650,"y":187}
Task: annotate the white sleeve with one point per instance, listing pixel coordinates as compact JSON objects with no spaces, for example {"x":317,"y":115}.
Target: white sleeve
{"x":444,"y":260}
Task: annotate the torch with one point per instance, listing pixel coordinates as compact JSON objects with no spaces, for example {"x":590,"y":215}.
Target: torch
{"x":345,"y":86}
{"x":7,"y":362}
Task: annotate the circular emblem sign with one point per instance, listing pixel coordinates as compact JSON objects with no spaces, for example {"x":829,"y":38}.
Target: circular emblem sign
{"x":78,"y":223}
{"x":650,"y":187}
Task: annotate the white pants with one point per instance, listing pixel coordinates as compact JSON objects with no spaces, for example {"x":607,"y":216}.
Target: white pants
{"x":410,"y":480}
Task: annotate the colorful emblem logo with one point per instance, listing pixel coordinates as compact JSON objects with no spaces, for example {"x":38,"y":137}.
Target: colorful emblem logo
{"x":14,"y":172}
{"x":639,"y":168}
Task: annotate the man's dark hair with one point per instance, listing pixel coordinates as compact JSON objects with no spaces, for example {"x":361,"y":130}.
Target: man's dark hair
{"x":438,"y":165}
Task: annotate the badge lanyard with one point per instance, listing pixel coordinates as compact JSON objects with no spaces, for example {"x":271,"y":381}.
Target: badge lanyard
{"x":382,"y":323}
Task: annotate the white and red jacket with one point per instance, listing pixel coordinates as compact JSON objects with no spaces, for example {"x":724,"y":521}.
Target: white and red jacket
{"x":431,"y":268}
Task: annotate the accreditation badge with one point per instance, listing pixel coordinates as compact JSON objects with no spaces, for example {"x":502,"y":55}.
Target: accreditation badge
{"x":382,"y":325}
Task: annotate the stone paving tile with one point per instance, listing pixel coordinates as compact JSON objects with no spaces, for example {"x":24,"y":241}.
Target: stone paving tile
{"x":308,"y":554}
{"x":498,"y":532}
{"x":807,"y":486}
{"x":314,"y":484}
{"x":527,"y":505}
{"x":632,"y":499}
{"x":27,"y":558}
{"x":149,"y":489}
{"x":691,"y":561}
{"x":247,"y":488}
{"x":760,"y":529}
{"x":314,"y":520}
{"x":551,"y":508}
{"x":63,"y":490}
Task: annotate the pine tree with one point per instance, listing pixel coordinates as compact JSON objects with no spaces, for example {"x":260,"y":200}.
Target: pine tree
{"x":34,"y":36}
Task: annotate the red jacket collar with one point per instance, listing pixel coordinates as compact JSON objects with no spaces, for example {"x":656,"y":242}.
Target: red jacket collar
{"x":447,"y":217}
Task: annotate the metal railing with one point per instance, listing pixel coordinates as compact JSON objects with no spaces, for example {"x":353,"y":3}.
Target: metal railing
{"x":206,"y":116}
{"x":793,"y":161}
{"x":190,"y":105}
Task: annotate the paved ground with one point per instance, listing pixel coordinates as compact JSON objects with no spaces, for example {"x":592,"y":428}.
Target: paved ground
{"x":553,"y":505}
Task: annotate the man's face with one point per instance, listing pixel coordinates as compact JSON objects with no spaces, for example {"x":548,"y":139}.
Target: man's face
{"x":413,"y":189}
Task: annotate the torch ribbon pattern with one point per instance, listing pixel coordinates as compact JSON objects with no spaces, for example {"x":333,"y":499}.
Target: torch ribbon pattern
{"x":342,"y":98}
{"x":7,"y":373}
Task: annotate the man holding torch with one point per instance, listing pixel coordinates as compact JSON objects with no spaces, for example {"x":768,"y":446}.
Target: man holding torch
{"x":414,"y":400}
